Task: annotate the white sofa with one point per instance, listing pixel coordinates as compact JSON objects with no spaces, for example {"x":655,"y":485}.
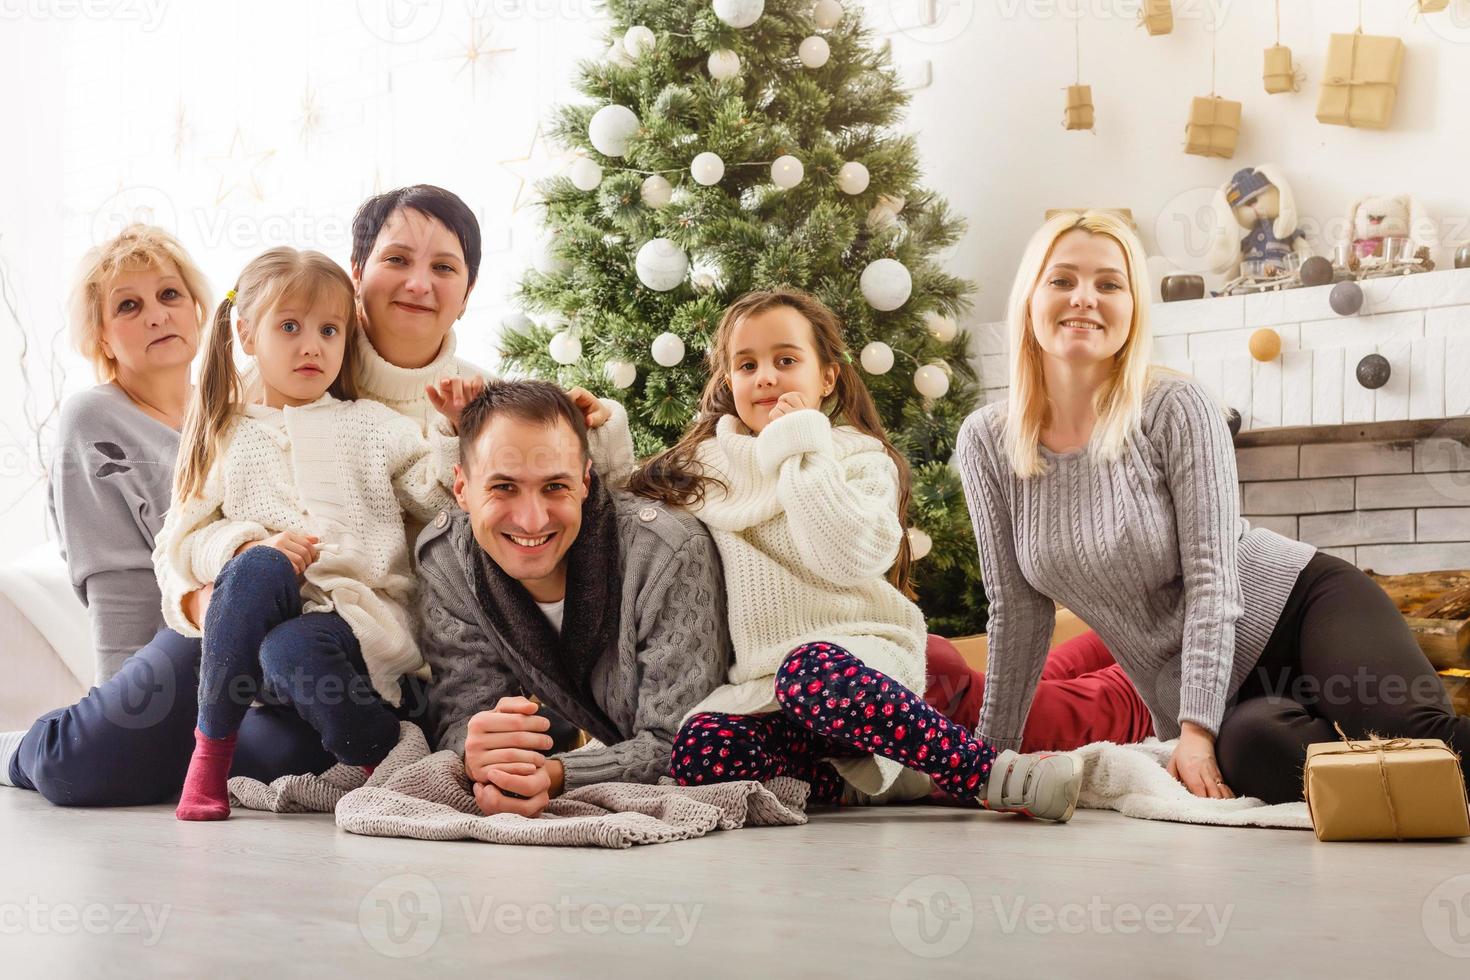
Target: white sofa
{"x":46,"y":654}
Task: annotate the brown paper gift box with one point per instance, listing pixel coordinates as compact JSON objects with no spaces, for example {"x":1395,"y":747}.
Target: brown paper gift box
{"x":1279,"y":73}
{"x":1432,"y":6}
{"x":1157,"y":16}
{"x":1079,"y":107}
{"x":1385,"y":789}
{"x":1360,"y":81}
{"x":1214,"y":125}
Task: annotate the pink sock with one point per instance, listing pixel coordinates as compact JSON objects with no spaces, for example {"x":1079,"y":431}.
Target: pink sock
{"x":206,"y":793}
{"x":368,"y":770}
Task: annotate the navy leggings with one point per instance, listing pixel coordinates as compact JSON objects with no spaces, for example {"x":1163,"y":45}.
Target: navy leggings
{"x":128,"y":742}
{"x":833,"y":706}
{"x":258,"y":644}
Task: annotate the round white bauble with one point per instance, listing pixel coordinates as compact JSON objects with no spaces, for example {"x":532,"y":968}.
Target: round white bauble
{"x":787,"y":171}
{"x":920,"y":544}
{"x":931,"y":381}
{"x":739,"y":14}
{"x":565,"y":348}
{"x":877,"y":358}
{"x":656,"y":191}
{"x":886,"y":284}
{"x":940,"y":327}
{"x":707,"y":168}
{"x":585,"y":174}
{"x":827,"y":14}
{"x":610,"y":129}
{"x":852,"y":178}
{"x":622,"y":374}
{"x":661,"y":264}
{"x":885,"y":212}
{"x":516,"y":322}
{"x":723,"y":64}
{"x":637,"y":39}
{"x":667,"y":349}
{"x":618,"y":54}
{"x":814,"y":51}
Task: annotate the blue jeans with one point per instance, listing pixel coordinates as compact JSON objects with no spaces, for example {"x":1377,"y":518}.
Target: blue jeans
{"x":128,"y":742}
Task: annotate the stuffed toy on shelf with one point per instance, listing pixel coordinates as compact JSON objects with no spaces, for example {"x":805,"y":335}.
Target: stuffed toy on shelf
{"x":1389,"y":233}
{"x":1256,"y":201}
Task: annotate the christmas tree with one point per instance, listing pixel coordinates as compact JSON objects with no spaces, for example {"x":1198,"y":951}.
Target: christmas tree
{"x":741,"y":145}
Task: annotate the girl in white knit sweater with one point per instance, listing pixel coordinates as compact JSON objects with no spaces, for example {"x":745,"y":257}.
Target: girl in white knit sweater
{"x":293,"y":508}
{"x":807,"y":500}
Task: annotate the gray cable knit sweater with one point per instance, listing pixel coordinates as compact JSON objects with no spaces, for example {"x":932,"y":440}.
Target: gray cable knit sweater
{"x":673,"y":646}
{"x":1150,"y":550}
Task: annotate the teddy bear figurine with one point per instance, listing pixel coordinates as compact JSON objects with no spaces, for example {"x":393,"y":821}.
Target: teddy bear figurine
{"x":1373,"y":218}
{"x":1259,"y":202}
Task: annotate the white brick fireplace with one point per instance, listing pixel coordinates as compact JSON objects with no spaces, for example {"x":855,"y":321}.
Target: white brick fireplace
{"x":1381,"y":478}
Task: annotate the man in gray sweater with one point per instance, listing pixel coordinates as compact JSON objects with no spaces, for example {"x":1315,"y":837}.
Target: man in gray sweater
{"x":607,"y":608}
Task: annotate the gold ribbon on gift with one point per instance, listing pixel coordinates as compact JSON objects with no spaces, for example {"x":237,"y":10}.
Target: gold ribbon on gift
{"x":1350,"y":82}
{"x":1156,"y":16}
{"x":1374,"y":743}
{"x":1281,"y":74}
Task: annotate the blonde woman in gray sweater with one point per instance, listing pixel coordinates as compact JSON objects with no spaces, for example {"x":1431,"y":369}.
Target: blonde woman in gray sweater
{"x":1110,"y":486}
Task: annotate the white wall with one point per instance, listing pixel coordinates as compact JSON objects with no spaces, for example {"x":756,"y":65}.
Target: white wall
{"x":95,"y":87}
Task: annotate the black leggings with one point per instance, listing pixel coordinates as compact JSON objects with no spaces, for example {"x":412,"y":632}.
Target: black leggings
{"x":1341,"y":652}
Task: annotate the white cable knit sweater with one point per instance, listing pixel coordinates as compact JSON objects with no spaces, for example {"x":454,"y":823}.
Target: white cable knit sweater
{"x":343,"y":471}
{"x":807,"y":532}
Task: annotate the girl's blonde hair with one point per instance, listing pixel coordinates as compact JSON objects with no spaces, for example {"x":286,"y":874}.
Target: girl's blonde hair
{"x":270,"y":279}
{"x":135,"y":247}
{"x":1119,"y":400}
{"x":675,"y":477}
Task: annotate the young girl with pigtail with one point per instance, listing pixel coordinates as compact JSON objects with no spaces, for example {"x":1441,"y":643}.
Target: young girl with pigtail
{"x":292,"y":507}
{"x":806,"y":497}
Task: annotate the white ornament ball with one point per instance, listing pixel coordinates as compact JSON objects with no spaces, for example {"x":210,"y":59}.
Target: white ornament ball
{"x":702,"y":281}
{"x":637,"y":40}
{"x":940,"y":327}
{"x":885,"y":212}
{"x":565,"y":348}
{"x":787,"y":172}
{"x":622,"y":374}
{"x":739,"y":14}
{"x":886,"y":284}
{"x":931,"y":381}
{"x":827,"y":14}
{"x":667,"y":349}
{"x":618,"y":54}
{"x":661,"y":264}
{"x":611,"y":128}
{"x":516,"y":322}
{"x":545,"y":258}
{"x":877,"y":358}
{"x":723,"y":64}
{"x":707,"y":168}
{"x":656,"y":191}
{"x":814,"y":51}
{"x":852,"y":178}
{"x":585,"y":174}
{"x":920,"y":544}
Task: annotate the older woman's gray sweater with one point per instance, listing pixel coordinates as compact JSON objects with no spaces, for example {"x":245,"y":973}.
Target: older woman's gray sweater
{"x":1150,"y":550}
{"x":673,"y":644}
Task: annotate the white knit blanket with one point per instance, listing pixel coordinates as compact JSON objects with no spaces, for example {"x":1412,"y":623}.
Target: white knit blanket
{"x":1133,"y":780}
{"x":426,"y":796}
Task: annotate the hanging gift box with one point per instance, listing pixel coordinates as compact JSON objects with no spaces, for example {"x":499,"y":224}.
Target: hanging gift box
{"x":1280,"y":75}
{"x":1079,"y":107}
{"x":1360,"y":81}
{"x":1156,"y":16}
{"x":1214,"y":125}
{"x":1385,"y":789}
{"x":1432,"y":6}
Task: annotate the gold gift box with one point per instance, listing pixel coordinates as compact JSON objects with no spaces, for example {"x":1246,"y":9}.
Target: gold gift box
{"x":1214,"y":125}
{"x":1360,"y":81}
{"x":1157,"y":16}
{"x":1079,"y":107}
{"x":1432,"y":6}
{"x":1386,"y":789}
{"x":1279,"y":73}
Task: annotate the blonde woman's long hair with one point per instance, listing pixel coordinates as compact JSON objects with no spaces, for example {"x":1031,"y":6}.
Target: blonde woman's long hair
{"x":271,"y":278}
{"x":135,"y":247}
{"x":1119,"y":400}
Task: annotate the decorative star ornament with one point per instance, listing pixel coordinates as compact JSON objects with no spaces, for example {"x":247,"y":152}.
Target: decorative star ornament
{"x":538,"y":163}
{"x":475,"y":53}
{"x":239,"y":169}
{"x":309,"y":122}
{"x":183,"y":132}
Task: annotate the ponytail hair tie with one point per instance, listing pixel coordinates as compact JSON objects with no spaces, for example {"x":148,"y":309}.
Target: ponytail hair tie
{"x":230,"y":296}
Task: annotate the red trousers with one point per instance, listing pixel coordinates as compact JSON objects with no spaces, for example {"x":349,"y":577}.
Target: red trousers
{"x":1083,"y":697}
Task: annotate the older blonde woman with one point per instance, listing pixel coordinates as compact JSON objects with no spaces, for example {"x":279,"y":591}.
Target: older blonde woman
{"x":1110,"y":486}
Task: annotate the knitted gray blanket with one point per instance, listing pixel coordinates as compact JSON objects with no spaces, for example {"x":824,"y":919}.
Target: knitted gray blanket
{"x":414,"y":793}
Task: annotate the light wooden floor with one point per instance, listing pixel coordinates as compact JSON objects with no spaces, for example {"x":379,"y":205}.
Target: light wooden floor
{"x":136,"y":893}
